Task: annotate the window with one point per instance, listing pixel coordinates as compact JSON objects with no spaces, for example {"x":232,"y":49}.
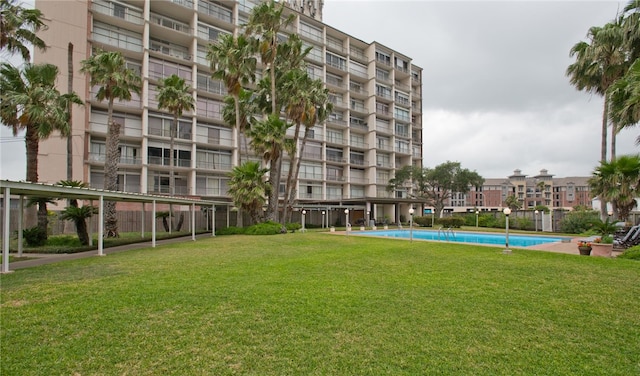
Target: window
{"x":334,"y":80}
{"x":402,"y":65}
{"x":208,"y":84}
{"x":357,"y":140}
{"x":383,"y":91}
{"x":117,"y":37}
{"x":119,"y":10}
{"x":382,"y":108}
{"x":209,"y":108}
{"x":334,"y":136}
{"x":209,"y":32}
{"x":382,"y":74}
{"x":402,"y":98}
{"x":334,"y":43}
{"x":402,"y":130}
{"x":334,"y":173}
{"x":383,"y":143}
{"x":213,"y":159}
{"x":401,"y":114}
{"x":160,"y":69}
{"x":214,"y":10}
{"x":357,"y":105}
{"x":357,"y":69}
{"x":310,"y":32}
{"x":336,"y":61}
{"x":310,"y":170}
{"x":334,"y":155}
{"x":383,"y":125}
{"x":314,"y":71}
{"x":357,"y":158}
{"x":383,"y":57}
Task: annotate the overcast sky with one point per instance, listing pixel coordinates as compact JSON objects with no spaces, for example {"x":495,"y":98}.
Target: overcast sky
{"x":495,"y":94}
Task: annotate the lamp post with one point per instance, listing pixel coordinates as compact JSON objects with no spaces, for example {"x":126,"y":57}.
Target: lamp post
{"x":535,"y":219}
{"x":411,"y":211}
{"x":304,"y":213}
{"x":346,"y":220}
{"x":506,"y":250}
{"x":477,"y":212}
{"x":323,"y":213}
{"x":368,"y":218}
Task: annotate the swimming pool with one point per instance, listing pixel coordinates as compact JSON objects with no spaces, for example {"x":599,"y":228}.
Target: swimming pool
{"x":464,"y":237}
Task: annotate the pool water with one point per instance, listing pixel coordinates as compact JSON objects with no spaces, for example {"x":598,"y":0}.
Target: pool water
{"x":464,"y":237}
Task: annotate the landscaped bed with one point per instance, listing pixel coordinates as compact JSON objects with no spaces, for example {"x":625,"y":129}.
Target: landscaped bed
{"x":309,"y":303}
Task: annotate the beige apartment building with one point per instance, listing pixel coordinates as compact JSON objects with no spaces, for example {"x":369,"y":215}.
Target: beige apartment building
{"x":531,"y":191}
{"x":375,"y":127}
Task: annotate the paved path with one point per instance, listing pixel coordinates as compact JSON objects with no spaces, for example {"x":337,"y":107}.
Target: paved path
{"x":48,"y":258}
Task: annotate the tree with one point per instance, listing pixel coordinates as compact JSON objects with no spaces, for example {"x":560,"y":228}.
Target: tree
{"x":512,"y":203}
{"x":31,"y":102}
{"x":435,"y":185}
{"x":618,"y":181}
{"x":174,"y":96}
{"x":268,"y":138}
{"x":248,"y":189}
{"x":232,"y":61}
{"x":599,"y":63}
{"x":108,"y":70}
{"x":307,"y":103}
{"x":42,"y":214}
{"x":18,"y":27}
{"x":76,"y":214}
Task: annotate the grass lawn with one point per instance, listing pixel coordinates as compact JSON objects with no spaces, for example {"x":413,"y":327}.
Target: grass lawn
{"x":321,"y":304}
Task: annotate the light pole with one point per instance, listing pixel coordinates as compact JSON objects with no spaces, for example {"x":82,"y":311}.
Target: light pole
{"x":368,"y":218}
{"x":535,"y":219}
{"x":477,"y":212}
{"x":304,"y":213}
{"x":346,"y":220}
{"x":411,"y":211}
{"x":506,"y":250}
{"x":323,"y":213}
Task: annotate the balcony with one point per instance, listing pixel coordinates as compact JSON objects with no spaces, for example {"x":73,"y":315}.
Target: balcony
{"x":164,"y":161}
{"x":214,"y":10}
{"x":118,"y":10}
{"x":214,"y":165}
{"x":169,"y":23}
{"x":116,"y":37}
{"x":101,"y":158}
{"x":170,"y":49}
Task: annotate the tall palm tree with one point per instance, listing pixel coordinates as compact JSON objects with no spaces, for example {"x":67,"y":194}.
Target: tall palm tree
{"x":233,"y":62}
{"x":599,"y":63}
{"x":265,"y":22}
{"x":248,"y":189}
{"x":625,"y":99}
{"x":619,"y":182}
{"x":243,"y":114}
{"x":631,"y":28}
{"x":31,"y":102}
{"x":268,"y":139}
{"x":307,"y":103}
{"x":18,"y":28}
{"x":174,"y":95}
{"x":108,"y":70}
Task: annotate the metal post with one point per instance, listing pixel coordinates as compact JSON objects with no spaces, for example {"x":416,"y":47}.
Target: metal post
{"x":5,"y":231}
{"x":506,"y":212}
{"x":346,"y":221}
{"x":304,"y":213}
{"x":411,"y":211}
{"x":323,"y":213}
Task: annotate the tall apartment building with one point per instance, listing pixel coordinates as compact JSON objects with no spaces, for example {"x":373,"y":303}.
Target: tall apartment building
{"x":541,"y":189}
{"x":375,"y":127}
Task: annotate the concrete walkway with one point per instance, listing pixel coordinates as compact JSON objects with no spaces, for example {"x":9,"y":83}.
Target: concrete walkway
{"x":48,"y":258}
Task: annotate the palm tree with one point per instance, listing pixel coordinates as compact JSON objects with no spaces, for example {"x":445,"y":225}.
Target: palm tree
{"x":78,"y":215}
{"x":619,"y":182}
{"x":232,"y":61}
{"x":248,"y":189}
{"x":265,"y":22}
{"x":109,"y":71}
{"x":31,"y":102}
{"x":42,"y":214}
{"x":631,"y":28}
{"x":246,"y":109}
{"x":18,"y":27}
{"x":174,"y":96}
{"x":625,"y":99}
{"x":308,"y":104}
{"x":268,"y":139}
{"x":598,"y":65}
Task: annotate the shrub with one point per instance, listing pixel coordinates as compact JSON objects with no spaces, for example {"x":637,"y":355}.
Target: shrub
{"x":34,"y":236}
{"x":632,"y":253}
{"x":576,"y":222}
{"x":422,"y":221}
{"x":293,"y":226}
{"x":488,"y":220}
{"x":230,"y":231}
{"x":63,"y":241}
{"x":266,"y":228}
{"x":450,"y":222}
{"x":522,"y":223}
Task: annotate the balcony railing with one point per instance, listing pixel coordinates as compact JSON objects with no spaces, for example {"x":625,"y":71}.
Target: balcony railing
{"x":118,"y":10}
{"x":117,"y":39}
{"x":214,"y":10}
{"x":165,"y":161}
{"x":214,"y":165}
{"x":101,"y":158}
{"x":170,"y":23}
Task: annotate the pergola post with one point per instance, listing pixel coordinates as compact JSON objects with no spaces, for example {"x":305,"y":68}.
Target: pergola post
{"x":5,"y":231}
{"x":20,"y":221}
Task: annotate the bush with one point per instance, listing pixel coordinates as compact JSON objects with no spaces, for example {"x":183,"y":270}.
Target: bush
{"x":34,"y":236}
{"x":63,"y":241}
{"x":293,"y":226}
{"x":577,"y":222}
{"x":632,"y":253}
{"x":230,"y":231}
{"x":522,"y":223}
{"x":422,"y":221}
{"x":266,"y":228}
{"x":489,"y":220}
{"x":455,"y":222}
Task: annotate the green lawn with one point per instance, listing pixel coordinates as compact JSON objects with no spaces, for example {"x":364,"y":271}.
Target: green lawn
{"x":321,"y":304}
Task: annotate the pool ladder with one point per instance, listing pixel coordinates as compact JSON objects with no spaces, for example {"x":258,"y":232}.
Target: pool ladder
{"x":446,"y":233}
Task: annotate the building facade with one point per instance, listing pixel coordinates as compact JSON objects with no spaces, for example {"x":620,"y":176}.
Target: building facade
{"x":375,"y":127}
{"x":530,"y":191}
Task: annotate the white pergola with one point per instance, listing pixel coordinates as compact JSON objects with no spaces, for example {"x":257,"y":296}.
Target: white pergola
{"x":25,"y":189}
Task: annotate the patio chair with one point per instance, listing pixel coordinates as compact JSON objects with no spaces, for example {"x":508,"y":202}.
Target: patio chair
{"x":628,"y":235}
{"x":632,"y":240}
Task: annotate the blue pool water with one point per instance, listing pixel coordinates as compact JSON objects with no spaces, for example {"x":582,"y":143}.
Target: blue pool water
{"x":464,"y":237}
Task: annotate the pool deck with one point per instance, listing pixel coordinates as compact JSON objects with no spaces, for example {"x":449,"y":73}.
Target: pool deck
{"x":566,"y":247}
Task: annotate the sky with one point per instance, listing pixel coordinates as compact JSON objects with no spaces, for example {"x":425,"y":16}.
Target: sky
{"x":495,"y":94}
